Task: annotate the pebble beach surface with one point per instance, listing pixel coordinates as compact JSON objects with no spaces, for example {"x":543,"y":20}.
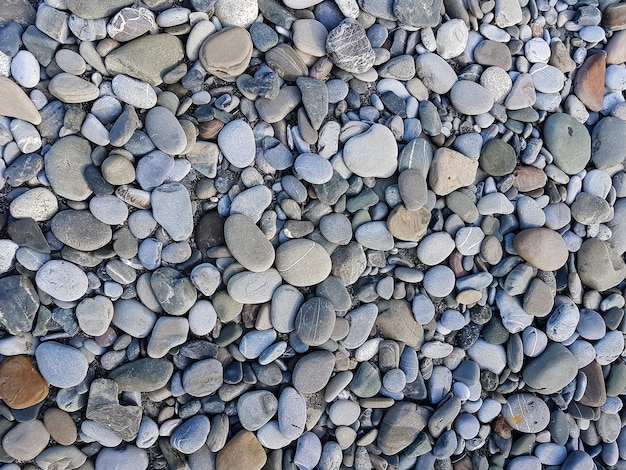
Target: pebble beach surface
{"x":312,"y":234}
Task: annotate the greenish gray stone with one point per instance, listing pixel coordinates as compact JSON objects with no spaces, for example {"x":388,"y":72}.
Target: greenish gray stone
{"x":568,"y":141}
{"x":146,"y":58}
{"x":497,"y":158}
{"x":143,"y":375}
{"x":551,"y":370}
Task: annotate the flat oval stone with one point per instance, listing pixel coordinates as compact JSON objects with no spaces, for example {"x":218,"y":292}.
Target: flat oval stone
{"x":26,"y":440}
{"x":568,"y":141}
{"x":134,"y":92}
{"x":312,"y":372}
{"x":66,"y":176}
{"x":203,"y":378}
{"x":302,"y":262}
{"x":313,"y":168}
{"x":142,"y":375}
{"x":236,"y":140}
{"x":435,"y":73}
{"x":471,"y":98}
{"x":551,"y":370}
{"x":248,"y":244}
{"x":191,"y":435}
{"x":292,"y":413}
{"x":315,"y":321}
{"x":526,"y":413}
{"x":220,"y":59}
{"x":165,"y":131}
{"x":80,"y":230}
{"x":61,"y":365}
{"x":254,"y":288}
{"x":21,"y":384}
{"x":541,"y":247}
{"x":133,"y":317}
{"x":72,"y":89}
{"x":62,"y":280}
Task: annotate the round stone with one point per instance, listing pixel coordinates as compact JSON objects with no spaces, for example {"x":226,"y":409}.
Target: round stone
{"x":526,"y":413}
{"x":203,"y":378}
{"x":471,"y":98}
{"x":312,"y":372}
{"x":191,"y":435}
{"x":80,"y":230}
{"x":221,"y":59}
{"x":60,"y":425}
{"x":62,"y":280}
{"x":541,"y":247}
{"x":497,"y":158}
{"x":39,"y":204}
{"x":165,"y":131}
{"x":255,"y":409}
{"x":94,"y":315}
{"x":439,"y":281}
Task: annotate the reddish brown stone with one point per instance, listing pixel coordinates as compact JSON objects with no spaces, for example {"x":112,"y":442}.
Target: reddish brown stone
{"x":589,"y":87}
{"x":615,"y":17}
{"x":21,"y":384}
{"x":595,"y":392}
{"x":529,"y":178}
{"x":616,"y":49}
{"x":208,"y":130}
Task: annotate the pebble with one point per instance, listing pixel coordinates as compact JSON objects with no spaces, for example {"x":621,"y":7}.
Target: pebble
{"x":26,"y":440}
{"x":377,"y":140}
{"x":348,"y":47}
{"x":21,"y":384}
{"x":236,"y":140}
{"x":62,"y":280}
{"x":302,"y":262}
{"x":63,"y":366}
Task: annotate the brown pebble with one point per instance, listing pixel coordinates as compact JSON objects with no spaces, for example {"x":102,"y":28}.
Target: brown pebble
{"x":60,"y":425}
{"x":529,"y":178}
{"x":541,"y":247}
{"x":595,"y":392}
{"x":616,"y":49}
{"x":242,"y":451}
{"x":615,"y":17}
{"x":560,"y":57}
{"x":589,"y":86}
{"x":21,"y":384}
{"x":208,"y":130}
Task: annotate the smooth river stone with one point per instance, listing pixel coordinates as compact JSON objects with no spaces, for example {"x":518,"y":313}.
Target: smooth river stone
{"x":91,"y":11}
{"x":165,"y":131}
{"x":80,"y":230}
{"x":21,"y":384}
{"x":541,"y":247}
{"x":66,"y":175}
{"x":291,"y":413}
{"x":236,"y":141}
{"x":373,"y":153}
{"x":302,"y":262}
{"x":599,"y":266}
{"x":568,"y":141}
{"x":72,"y":89}
{"x":61,"y":365}
{"x":451,"y":170}
{"x":312,"y":372}
{"x":248,"y":244}
{"x":552,"y":370}
{"x":220,"y":58}
{"x":526,"y":413}
{"x":143,"y":375}
{"x":254,"y":288}
{"x":147,"y":58}
{"x":62,"y":280}
{"x":171,"y":208}
{"x":315,"y":321}
{"x":242,"y":451}
{"x":400,"y":426}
